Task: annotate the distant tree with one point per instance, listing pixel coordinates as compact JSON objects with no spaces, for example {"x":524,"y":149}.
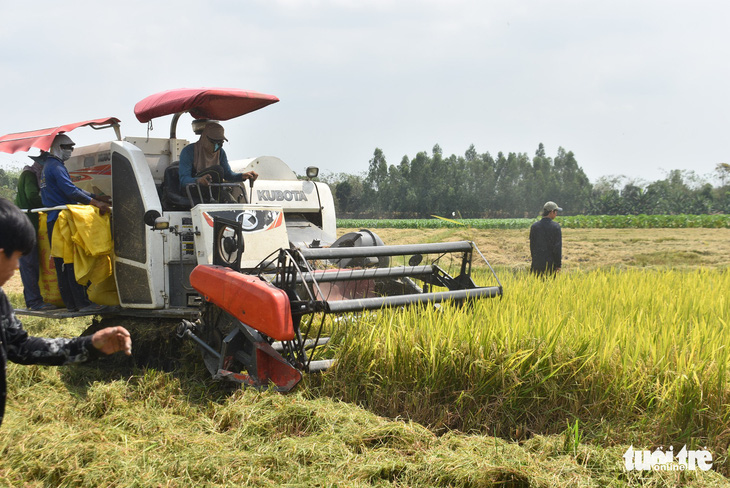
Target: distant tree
{"x":540,"y":182}
{"x":478,"y":192}
{"x":722,"y":193}
{"x":348,"y":192}
{"x":670,"y":195}
{"x":511,"y":188}
{"x":378,"y":170}
{"x":9,"y":183}
{"x":573,"y":186}
{"x":605,"y":197}
{"x":471,"y":154}
{"x":440,"y":190}
{"x":635,"y":200}
{"x":407,"y":201}
{"x":377,"y":181}
{"x":723,"y":173}
{"x":420,"y":180}
{"x":704,"y":200}
{"x":401,"y":195}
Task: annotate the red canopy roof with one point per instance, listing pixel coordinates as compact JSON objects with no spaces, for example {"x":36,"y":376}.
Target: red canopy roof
{"x":202,"y":103}
{"x":42,"y":139}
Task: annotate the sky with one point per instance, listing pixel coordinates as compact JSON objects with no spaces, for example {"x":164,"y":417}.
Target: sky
{"x":634,"y":88}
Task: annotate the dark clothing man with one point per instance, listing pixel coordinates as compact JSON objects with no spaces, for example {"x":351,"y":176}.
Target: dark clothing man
{"x":17,"y":237}
{"x":18,"y":347}
{"x":29,"y":188}
{"x":29,"y":197}
{"x":546,"y":242}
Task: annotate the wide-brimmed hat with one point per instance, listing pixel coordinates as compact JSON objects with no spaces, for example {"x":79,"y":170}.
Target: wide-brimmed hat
{"x":215,"y":131}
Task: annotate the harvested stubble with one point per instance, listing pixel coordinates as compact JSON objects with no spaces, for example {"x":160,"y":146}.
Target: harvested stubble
{"x":156,"y":430}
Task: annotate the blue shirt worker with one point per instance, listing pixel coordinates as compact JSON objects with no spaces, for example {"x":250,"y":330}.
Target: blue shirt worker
{"x":205,"y":162}
{"x":546,"y":242}
{"x":58,"y":189}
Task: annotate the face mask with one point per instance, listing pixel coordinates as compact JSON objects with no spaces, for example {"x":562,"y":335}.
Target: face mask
{"x":217,"y":146}
{"x":65,"y":154}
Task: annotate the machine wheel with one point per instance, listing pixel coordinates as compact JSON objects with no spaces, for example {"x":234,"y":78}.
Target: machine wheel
{"x":215,"y":325}
{"x":361,"y":238}
{"x":234,"y":351}
{"x":229,"y":245}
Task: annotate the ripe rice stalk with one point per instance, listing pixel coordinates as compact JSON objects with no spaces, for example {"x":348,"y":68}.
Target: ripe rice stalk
{"x":642,"y":347}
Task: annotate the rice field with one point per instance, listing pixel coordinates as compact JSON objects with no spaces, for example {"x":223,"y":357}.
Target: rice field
{"x":545,"y":387}
{"x":636,"y":356}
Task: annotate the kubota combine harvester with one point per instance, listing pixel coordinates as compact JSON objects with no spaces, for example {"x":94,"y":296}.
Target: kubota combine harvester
{"x":252,"y":276}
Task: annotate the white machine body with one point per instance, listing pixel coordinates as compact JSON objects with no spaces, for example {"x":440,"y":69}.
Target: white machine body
{"x":152,"y":266}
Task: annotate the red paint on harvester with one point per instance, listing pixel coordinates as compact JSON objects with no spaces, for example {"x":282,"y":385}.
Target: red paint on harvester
{"x":250,"y":299}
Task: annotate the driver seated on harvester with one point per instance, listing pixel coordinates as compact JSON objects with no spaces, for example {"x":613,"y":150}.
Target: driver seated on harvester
{"x":205,"y":162}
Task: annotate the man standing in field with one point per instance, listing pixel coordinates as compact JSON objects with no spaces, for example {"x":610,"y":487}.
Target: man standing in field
{"x":18,"y":237}
{"x":546,"y":242}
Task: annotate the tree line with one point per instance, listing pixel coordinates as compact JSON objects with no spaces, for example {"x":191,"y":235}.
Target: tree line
{"x":514,"y":185}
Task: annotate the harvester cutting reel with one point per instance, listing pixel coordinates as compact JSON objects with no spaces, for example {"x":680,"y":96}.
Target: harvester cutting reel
{"x":268,"y":326}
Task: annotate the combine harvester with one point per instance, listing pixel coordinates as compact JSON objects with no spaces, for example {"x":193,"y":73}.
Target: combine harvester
{"x":253,"y":276}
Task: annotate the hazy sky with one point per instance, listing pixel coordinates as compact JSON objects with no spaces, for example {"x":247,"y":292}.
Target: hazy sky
{"x":631,"y":87}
